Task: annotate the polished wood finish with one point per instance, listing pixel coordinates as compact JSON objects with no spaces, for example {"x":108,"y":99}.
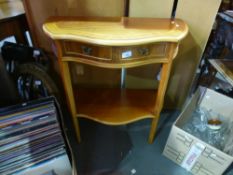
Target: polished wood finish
{"x":145,"y":77}
{"x":115,"y":43}
{"x":65,"y":73}
{"x":113,"y":54}
{"x":37,"y":11}
{"x":88,"y":51}
{"x":224,"y":67}
{"x":84,"y":75}
{"x":115,"y":31}
{"x":191,"y":48}
{"x":181,"y":77}
{"x":112,"y":57}
{"x":165,"y":72}
{"x":115,"y":106}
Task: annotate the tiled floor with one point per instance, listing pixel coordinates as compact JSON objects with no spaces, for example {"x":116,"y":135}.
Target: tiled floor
{"x":124,"y":150}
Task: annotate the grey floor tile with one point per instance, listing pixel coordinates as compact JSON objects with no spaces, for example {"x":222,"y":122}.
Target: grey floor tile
{"x":124,"y":150}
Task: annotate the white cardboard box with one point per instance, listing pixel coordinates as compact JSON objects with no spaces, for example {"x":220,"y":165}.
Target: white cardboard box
{"x":60,"y":166}
{"x":190,"y":152}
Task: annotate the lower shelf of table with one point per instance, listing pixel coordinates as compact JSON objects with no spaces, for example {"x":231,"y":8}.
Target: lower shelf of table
{"x":115,"y":106}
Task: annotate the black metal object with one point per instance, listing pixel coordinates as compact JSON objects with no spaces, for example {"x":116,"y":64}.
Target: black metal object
{"x":8,"y":92}
{"x":174,"y":9}
{"x":127,"y":7}
{"x":126,"y":11}
{"x":30,"y":69}
{"x":14,"y":54}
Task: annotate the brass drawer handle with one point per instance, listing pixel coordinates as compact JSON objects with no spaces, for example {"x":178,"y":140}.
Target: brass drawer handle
{"x":86,"y":50}
{"x":143,"y":51}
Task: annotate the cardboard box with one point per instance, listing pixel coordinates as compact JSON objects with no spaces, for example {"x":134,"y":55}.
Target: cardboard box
{"x":57,"y":166}
{"x":192,"y":153}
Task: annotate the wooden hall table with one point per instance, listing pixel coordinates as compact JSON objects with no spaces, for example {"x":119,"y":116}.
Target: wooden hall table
{"x":115,"y":43}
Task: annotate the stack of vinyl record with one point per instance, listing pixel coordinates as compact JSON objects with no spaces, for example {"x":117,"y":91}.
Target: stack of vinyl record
{"x":29,"y":135}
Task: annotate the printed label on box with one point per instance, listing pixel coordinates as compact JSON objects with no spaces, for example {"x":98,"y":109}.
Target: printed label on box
{"x":192,"y":156}
{"x":126,"y":54}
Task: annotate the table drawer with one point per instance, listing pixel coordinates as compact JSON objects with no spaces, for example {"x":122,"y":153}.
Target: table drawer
{"x":83,"y":50}
{"x":140,"y":52}
{"x":114,"y":54}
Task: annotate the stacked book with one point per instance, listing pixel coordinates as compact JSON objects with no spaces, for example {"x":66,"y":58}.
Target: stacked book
{"x":30,"y":134}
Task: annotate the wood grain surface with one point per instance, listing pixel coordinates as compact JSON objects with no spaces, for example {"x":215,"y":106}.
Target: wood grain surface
{"x":115,"y":106}
{"x":111,"y":37}
{"x":115,"y":31}
{"x":49,"y":8}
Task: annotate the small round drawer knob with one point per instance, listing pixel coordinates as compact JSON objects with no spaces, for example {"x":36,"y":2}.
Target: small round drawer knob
{"x":86,"y":50}
{"x":143,"y":51}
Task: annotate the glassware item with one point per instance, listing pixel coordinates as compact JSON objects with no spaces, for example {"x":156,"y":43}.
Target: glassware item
{"x":215,"y":138}
{"x":220,"y":138}
{"x":228,"y":145}
{"x":217,"y":129}
{"x":200,"y":119}
{"x":215,"y":120}
{"x":188,"y":127}
{"x":197,"y":123}
{"x":211,"y":127}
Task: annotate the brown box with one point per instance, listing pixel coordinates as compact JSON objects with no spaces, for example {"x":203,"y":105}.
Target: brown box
{"x":192,"y":153}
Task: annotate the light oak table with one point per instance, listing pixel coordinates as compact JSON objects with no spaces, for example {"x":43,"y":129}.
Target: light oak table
{"x":115,"y":43}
